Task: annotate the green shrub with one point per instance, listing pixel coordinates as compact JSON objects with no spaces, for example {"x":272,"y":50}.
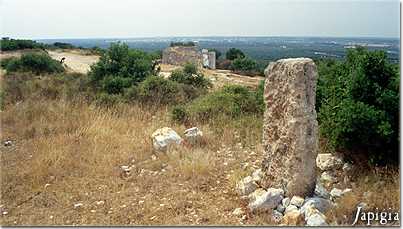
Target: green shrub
{"x":244,"y":64}
{"x":121,"y":62}
{"x":131,"y":93}
{"x":179,"y":113}
{"x":33,"y":62}
{"x":190,"y":76}
{"x":259,"y":95}
{"x":115,"y":85}
{"x":231,"y":101}
{"x":157,"y":90}
{"x":107,"y":100}
{"x":234,"y":53}
{"x":5,"y":62}
{"x":190,"y":68}
{"x":359,"y":104}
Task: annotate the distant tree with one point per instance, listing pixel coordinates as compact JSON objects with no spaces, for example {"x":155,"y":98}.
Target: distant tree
{"x":217,"y":53}
{"x":243,"y":64}
{"x":63,"y":45}
{"x":188,"y":44}
{"x":234,"y":53}
{"x":8,"y":44}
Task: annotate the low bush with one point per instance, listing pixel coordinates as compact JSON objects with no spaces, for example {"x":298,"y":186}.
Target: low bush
{"x":22,"y":86}
{"x":231,"y":101}
{"x":178,"y":113}
{"x":107,"y":100}
{"x":157,"y":90}
{"x":259,"y":95}
{"x":37,"y":63}
{"x":190,"y":76}
{"x":245,"y":66}
{"x":115,"y":85}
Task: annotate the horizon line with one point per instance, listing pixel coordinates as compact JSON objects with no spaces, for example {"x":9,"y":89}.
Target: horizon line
{"x":203,"y":36}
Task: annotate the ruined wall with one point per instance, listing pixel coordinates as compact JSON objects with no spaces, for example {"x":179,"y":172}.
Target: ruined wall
{"x":290,"y":132}
{"x":180,"y":55}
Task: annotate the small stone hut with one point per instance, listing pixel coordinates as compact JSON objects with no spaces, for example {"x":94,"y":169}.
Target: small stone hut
{"x":180,"y":55}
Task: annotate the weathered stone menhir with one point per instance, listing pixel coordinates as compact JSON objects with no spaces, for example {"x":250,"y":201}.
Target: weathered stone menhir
{"x":290,"y":132}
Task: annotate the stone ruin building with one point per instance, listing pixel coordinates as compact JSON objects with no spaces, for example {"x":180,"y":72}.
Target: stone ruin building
{"x":180,"y":55}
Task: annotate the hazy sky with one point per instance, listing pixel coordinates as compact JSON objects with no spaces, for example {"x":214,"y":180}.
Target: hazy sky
{"x":148,"y":18}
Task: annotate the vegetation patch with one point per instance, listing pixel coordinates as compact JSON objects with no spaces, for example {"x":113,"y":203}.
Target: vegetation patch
{"x":35,"y":62}
{"x":358,"y":101}
{"x":231,"y":101}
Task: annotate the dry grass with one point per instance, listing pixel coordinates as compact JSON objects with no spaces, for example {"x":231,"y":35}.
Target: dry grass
{"x":67,"y":152}
{"x":379,"y":188}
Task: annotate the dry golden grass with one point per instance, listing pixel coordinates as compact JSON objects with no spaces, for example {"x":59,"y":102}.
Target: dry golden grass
{"x":379,"y":188}
{"x":67,"y":152}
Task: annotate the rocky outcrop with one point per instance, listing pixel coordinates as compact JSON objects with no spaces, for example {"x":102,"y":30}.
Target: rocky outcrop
{"x":290,"y":133}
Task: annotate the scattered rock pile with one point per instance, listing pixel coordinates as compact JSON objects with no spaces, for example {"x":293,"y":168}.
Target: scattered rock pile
{"x":165,"y":137}
{"x":292,"y":210}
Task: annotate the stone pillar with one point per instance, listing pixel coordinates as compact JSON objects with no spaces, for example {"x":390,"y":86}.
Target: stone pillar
{"x":211,"y":58}
{"x":290,"y":130}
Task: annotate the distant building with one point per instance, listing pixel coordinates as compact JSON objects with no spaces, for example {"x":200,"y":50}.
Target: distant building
{"x":180,"y":55}
{"x":208,"y":59}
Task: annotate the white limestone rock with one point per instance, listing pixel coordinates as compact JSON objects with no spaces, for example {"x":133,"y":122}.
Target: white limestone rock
{"x":321,"y":204}
{"x":297,"y":201}
{"x":327,"y":161}
{"x":321,"y":191}
{"x":290,"y":208}
{"x":257,"y":175}
{"x":316,"y":219}
{"x":267,"y":200}
{"x":164,"y":137}
{"x":328,"y":178}
{"x":246,"y":186}
{"x":193,"y":135}
{"x":285,"y":202}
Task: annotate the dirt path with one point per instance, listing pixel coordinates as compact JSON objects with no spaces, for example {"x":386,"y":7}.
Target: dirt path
{"x":219,"y":77}
{"x":75,"y":60}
